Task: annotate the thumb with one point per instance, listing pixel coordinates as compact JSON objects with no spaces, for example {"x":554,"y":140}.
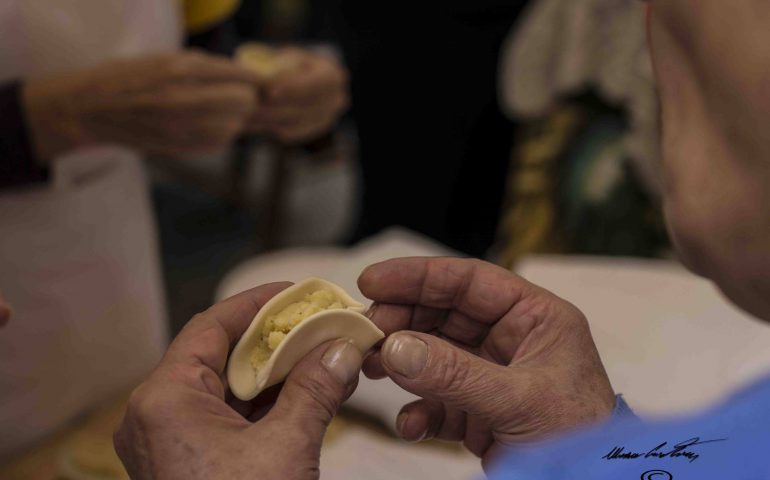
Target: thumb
{"x":436,"y":370}
{"x":317,"y":386}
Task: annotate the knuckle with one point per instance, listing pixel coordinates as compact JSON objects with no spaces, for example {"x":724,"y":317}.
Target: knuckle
{"x":452,"y":373}
{"x":138,"y":406}
{"x":319,"y":393}
{"x":201,"y":317}
{"x":145,"y":405}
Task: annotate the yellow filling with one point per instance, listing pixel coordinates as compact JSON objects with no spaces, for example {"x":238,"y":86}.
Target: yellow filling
{"x":265,"y":60}
{"x":279,"y":325}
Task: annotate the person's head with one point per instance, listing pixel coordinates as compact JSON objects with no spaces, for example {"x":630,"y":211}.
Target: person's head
{"x":712,"y":62}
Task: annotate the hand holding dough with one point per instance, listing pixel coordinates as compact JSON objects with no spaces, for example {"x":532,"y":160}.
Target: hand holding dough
{"x":303,"y":92}
{"x":288,"y":327}
{"x":180,"y":423}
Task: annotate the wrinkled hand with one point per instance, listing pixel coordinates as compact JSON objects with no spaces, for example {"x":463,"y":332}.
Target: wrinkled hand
{"x":177,"y":105}
{"x":179,"y":423}
{"x":302,"y":103}
{"x":498,"y":360}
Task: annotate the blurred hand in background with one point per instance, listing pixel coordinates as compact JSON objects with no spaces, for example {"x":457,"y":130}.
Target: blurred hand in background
{"x":176,"y":105}
{"x":303,"y":102}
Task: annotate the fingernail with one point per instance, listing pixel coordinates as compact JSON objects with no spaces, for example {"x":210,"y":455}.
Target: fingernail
{"x":370,"y":313}
{"x":400,"y":422}
{"x":405,"y":354}
{"x":343,"y":360}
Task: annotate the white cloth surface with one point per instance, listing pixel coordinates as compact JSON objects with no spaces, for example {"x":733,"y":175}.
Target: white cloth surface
{"x":78,"y":257}
{"x":668,"y":339}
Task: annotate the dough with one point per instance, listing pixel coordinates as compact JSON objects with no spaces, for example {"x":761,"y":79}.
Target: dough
{"x":288,"y":327}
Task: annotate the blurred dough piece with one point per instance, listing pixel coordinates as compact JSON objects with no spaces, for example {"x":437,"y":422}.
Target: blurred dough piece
{"x":266,"y":60}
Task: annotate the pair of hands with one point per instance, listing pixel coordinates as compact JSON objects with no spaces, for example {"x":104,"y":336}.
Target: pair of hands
{"x":497,"y":361}
{"x":183,"y":104}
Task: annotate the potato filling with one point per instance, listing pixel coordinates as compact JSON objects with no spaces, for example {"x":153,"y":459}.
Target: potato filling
{"x":279,"y":325}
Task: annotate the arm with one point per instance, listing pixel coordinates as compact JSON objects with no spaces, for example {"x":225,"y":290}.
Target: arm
{"x":175,"y":105}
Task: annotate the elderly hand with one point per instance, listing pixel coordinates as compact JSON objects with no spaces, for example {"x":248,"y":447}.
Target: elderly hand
{"x":497,"y":360}
{"x":175,"y":105}
{"x":302,"y":103}
{"x":180,"y":424}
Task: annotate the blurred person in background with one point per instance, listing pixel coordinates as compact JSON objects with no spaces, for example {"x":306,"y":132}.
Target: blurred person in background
{"x":424,"y":83}
{"x":217,"y":212}
{"x":87,"y":88}
{"x":502,"y":363}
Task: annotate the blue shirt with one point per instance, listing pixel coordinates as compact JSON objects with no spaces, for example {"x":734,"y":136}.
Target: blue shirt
{"x":731,"y":441}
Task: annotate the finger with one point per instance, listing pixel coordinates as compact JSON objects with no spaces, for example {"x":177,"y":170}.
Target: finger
{"x":326,"y":108}
{"x":316,"y":388}
{"x":203,"y":67}
{"x":5,"y":311}
{"x":391,"y":318}
{"x":292,"y":114}
{"x":207,"y":339}
{"x":175,"y":135}
{"x":480,"y":290}
{"x":428,"y":419}
{"x":454,"y":325}
{"x":478,"y":436}
{"x":427,"y":319}
{"x":541,"y":326}
{"x":493,"y":454}
{"x":219,"y":98}
{"x":304,"y":132}
{"x":264,"y":402}
{"x":464,"y":329}
{"x":188,"y":99}
{"x":316,"y":77}
{"x":433,"y":369}
{"x":372,"y":366}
